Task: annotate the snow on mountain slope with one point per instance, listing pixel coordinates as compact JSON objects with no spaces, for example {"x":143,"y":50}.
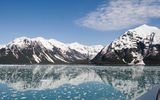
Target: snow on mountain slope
{"x":49,"y":44}
{"x":133,"y":46}
{"x":91,"y":51}
{"x":41,"y":50}
{"x":19,"y":42}
{"x":145,"y":31}
{"x":2,"y":46}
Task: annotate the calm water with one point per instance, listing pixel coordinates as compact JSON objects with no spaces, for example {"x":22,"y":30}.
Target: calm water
{"x":68,"y":82}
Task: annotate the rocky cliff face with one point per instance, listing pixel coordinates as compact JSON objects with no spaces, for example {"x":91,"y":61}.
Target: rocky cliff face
{"x":137,"y":46}
{"x":39,"y":50}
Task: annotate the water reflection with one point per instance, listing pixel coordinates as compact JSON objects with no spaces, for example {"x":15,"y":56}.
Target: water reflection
{"x":76,"y":82}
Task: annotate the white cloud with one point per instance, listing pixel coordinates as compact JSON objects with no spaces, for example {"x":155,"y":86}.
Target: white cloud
{"x":119,"y":14}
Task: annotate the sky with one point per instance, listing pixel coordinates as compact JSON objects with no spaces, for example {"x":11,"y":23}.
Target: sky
{"x":89,"y":22}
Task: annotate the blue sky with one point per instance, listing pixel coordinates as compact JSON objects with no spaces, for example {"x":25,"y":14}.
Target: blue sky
{"x":88,"y":22}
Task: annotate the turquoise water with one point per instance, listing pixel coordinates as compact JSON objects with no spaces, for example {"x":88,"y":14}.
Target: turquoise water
{"x":75,"y":82}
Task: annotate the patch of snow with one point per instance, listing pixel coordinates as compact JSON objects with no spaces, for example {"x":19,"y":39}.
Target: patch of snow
{"x":104,"y":50}
{"x":60,"y":58}
{"x":48,"y":58}
{"x":137,"y":57}
{"x":38,"y":60}
{"x":16,"y":55}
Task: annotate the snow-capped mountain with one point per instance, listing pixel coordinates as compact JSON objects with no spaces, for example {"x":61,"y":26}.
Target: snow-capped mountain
{"x":25,"y":50}
{"x":136,"y":46}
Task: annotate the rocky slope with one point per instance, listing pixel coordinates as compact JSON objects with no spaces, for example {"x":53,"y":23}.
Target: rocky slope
{"x":39,"y":50}
{"x":139,"y":46}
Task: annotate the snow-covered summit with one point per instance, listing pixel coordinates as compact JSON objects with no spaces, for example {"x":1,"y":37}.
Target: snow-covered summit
{"x":20,"y":42}
{"x":145,"y":31}
{"x":135,"y":46}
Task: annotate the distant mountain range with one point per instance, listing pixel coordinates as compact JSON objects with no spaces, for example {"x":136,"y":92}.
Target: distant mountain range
{"x":38,"y":50}
{"x":139,"y":46}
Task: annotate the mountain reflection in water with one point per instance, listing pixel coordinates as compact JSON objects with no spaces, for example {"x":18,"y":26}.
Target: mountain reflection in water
{"x":75,"y":82}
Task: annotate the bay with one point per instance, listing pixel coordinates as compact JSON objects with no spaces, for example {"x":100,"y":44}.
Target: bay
{"x":76,"y":82}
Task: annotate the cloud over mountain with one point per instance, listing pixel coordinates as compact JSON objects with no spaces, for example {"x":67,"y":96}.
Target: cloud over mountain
{"x":120,"y":14}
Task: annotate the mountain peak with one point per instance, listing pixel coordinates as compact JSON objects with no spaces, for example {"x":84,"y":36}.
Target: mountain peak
{"x":144,"y":26}
{"x":20,"y":42}
{"x":75,"y":44}
{"x":145,"y":29}
{"x":39,"y":38}
{"x":21,"y":39}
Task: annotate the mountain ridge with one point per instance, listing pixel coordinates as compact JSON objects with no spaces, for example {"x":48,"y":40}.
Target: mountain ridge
{"x":138,"y":46}
{"x":40,"y":50}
